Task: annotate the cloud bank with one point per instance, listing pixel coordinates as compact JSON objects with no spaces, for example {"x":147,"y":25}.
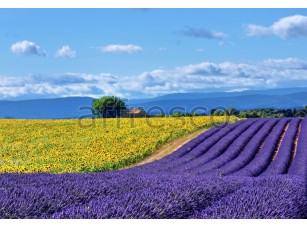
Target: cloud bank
{"x":286,"y":28}
{"x":202,"y":77}
{"x":120,"y":48}
{"x":27,"y":48}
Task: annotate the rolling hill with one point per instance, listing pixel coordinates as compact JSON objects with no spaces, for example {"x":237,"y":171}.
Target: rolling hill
{"x":63,"y":108}
{"x":57,"y":108}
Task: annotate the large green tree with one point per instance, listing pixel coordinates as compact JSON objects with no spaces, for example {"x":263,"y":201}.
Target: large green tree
{"x":108,"y":107}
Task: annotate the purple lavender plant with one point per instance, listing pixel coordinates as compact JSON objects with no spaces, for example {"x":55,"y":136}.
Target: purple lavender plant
{"x":244,"y":170}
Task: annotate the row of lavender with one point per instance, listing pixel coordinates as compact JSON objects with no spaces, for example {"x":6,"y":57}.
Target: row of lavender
{"x":256,"y":168}
{"x":118,"y":195}
{"x":253,"y":147}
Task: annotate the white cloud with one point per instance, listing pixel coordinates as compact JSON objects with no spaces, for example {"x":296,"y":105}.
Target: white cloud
{"x":221,"y":43}
{"x":119,"y":48}
{"x":257,"y":30}
{"x":65,"y":51}
{"x":200,"y":50}
{"x":286,"y":64}
{"x":203,"y":33}
{"x":201,"y":77}
{"x":162,"y":49}
{"x":27,"y":48}
{"x":286,"y":28}
{"x":237,"y":90}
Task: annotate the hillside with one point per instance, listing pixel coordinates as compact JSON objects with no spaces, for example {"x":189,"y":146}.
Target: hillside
{"x":63,"y":108}
{"x":57,"y":108}
{"x":296,"y":100}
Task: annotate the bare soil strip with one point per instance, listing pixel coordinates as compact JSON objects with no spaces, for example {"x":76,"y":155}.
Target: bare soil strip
{"x":168,"y":148}
{"x":280,"y":141}
{"x":263,"y":141}
{"x":262,"y":144}
{"x":295,"y":145}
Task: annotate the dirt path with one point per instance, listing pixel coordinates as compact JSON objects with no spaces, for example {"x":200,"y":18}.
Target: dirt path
{"x":280,"y":141}
{"x":295,"y":143}
{"x":168,"y":148}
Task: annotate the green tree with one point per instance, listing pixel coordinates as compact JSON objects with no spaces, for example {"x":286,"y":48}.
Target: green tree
{"x":177,"y":114}
{"x":233,"y":112}
{"x":108,"y":107}
{"x":301,"y":113}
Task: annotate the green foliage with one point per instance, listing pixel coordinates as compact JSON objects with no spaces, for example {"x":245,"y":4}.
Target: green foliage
{"x":261,"y":112}
{"x":272,"y":113}
{"x":233,"y":112}
{"x":108,"y":107}
{"x":225,"y":112}
{"x":184,"y":114}
{"x":178,"y":114}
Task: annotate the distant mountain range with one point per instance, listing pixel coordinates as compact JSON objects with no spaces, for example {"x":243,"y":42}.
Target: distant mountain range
{"x":63,"y":108}
{"x":56,"y":108}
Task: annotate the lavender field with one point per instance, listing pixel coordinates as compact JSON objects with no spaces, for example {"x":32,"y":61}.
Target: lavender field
{"x":254,"y":168}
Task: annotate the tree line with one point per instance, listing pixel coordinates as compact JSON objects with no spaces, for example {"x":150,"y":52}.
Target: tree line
{"x":251,"y":113}
{"x":264,"y":112}
{"x":112,"y":107}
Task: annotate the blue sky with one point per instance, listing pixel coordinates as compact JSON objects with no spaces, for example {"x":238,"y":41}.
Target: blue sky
{"x":137,"y":53}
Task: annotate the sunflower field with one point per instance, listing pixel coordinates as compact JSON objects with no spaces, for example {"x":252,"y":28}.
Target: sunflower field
{"x":69,"y":146}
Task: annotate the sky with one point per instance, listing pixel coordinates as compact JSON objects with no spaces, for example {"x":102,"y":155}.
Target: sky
{"x":140,"y":53}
